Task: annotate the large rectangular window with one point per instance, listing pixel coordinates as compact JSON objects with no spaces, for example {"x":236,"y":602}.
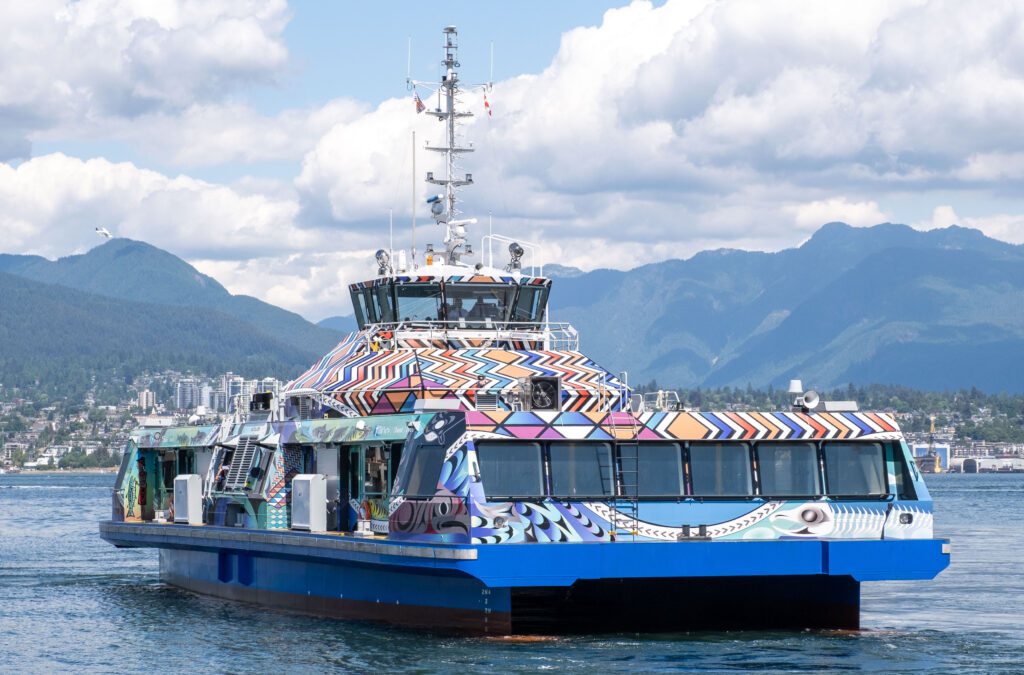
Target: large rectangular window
{"x":478,"y":303}
{"x":510,"y":469}
{"x":418,"y":302}
{"x":788,"y":469}
{"x":581,"y":469}
{"x":855,"y":469}
{"x":659,"y":469}
{"x":721,"y":470}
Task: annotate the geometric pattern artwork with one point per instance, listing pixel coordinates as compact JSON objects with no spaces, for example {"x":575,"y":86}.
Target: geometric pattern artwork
{"x":697,"y":426}
{"x":287,"y":464}
{"x":376,"y":382}
{"x":326,"y":367}
{"x":472,"y":278}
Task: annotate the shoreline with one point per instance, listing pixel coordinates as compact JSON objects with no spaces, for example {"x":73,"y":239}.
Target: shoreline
{"x":65,"y":472}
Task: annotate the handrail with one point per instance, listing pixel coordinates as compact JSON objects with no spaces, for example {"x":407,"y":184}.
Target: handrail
{"x":554,"y":336}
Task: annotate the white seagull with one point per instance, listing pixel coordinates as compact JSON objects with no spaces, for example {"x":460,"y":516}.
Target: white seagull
{"x":104,"y":232}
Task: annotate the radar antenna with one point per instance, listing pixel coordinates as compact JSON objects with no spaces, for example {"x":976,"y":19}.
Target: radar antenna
{"x":444,"y":206}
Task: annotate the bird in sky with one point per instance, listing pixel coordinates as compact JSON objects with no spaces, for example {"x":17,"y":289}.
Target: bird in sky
{"x":104,"y":232}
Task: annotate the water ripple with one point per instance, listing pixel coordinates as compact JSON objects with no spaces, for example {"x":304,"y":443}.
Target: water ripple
{"x":69,"y":601}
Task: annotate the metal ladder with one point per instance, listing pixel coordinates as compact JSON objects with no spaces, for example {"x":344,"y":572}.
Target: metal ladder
{"x":628,"y":489}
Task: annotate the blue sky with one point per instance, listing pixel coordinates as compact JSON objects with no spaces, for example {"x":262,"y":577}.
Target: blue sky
{"x":266,"y":141}
{"x":362,"y":50}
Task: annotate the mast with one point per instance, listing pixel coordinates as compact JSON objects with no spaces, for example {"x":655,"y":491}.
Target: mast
{"x":445,"y":210}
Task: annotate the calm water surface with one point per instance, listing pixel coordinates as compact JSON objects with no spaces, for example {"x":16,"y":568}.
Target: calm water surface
{"x":69,"y":601}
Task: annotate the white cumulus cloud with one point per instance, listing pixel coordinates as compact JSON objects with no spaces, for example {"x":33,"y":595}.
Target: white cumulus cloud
{"x":660,"y":132}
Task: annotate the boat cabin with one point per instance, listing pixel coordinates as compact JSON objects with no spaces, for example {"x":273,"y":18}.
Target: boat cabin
{"x":472,"y":301}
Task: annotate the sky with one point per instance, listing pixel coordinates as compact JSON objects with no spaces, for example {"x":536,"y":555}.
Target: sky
{"x":269,"y":143}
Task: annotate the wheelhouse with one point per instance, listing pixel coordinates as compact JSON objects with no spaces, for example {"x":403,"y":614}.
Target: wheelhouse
{"x":464,"y":302}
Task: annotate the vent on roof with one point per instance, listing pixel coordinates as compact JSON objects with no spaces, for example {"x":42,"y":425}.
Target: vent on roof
{"x":486,"y":401}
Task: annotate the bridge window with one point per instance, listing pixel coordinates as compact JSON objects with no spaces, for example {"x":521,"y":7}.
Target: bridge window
{"x":362,"y":304}
{"x":721,"y":469}
{"x":855,"y":469}
{"x":788,"y":469}
{"x":581,"y":469}
{"x":476,"y":302}
{"x":418,"y":302}
{"x":510,"y":470}
{"x":385,"y":304}
{"x":531,"y":304}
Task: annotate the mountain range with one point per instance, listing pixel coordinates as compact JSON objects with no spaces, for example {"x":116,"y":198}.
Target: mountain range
{"x":59,"y":338}
{"x":126,"y":307}
{"x":933,"y":310}
{"x":133,"y":270}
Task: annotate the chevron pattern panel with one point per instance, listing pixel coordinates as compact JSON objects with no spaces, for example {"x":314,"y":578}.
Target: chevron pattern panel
{"x":695,"y":426}
{"x":391,"y":381}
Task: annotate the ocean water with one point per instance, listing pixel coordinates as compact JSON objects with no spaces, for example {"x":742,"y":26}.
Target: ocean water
{"x":71,"y":602}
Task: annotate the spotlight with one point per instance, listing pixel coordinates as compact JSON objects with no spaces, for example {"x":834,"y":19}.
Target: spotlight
{"x":383,"y":260}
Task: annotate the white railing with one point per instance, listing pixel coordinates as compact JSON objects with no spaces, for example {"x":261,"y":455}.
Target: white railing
{"x":551,"y":336}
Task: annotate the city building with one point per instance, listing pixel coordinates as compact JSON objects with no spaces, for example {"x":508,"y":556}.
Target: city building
{"x":147,"y":400}
{"x":186,"y":395}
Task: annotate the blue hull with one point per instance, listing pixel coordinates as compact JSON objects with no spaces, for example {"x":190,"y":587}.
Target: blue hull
{"x":528,"y":588}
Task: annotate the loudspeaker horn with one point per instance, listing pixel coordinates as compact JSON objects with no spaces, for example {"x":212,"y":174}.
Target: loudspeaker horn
{"x":811,"y":400}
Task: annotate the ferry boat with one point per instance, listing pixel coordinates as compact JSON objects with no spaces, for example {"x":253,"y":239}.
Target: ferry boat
{"x":458,"y":464}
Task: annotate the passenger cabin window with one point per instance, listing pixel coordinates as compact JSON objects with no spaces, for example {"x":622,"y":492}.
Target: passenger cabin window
{"x":424,"y":471}
{"x":659,"y":470}
{"x":721,"y":470}
{"x":788,"y":469}
{"x":904,"y":482}
{"x":510,"y":470}
{"x":418,"y":302}
{"x":581,"y":469}
{"x":855,"y":469}
{"x":477,"y":303}
{"x":531,"y":304}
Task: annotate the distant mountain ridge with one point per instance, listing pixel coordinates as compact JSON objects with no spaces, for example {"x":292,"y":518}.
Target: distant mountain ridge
{"x":134,"y":270}
{"x":890,"y":304}
{"x":61,"y":337}
{"x":942,"y":309}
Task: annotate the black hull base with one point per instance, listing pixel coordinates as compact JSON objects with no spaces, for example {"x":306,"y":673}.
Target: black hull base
{"x":692,"y":604}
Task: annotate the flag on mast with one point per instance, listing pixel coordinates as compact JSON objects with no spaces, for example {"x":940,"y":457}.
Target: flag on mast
{"x":419,"y":104}
{"x":487,"y":106}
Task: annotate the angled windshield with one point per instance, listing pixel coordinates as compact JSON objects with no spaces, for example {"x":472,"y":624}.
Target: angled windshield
{"x":479,"y":304}
{"x":385,"y":304}
{"x":362,"y":304}
{"x":418,"y":302}
{"x":531,"y":304}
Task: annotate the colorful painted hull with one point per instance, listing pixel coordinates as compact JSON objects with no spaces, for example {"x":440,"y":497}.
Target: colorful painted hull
{"x":536,"y":588}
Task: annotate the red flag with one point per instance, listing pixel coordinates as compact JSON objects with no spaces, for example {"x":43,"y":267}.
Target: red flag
{"x":488,"y":106}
